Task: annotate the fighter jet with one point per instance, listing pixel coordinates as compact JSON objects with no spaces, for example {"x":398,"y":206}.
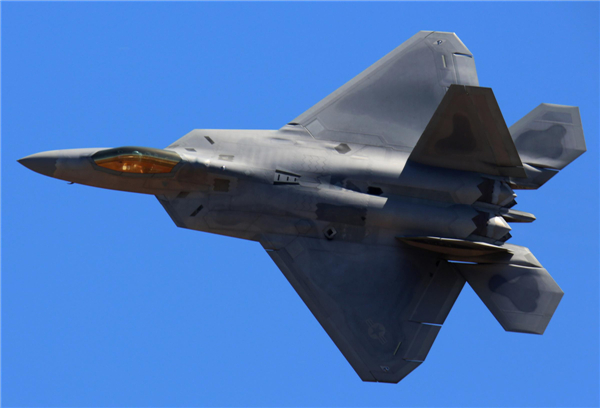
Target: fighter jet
{"x":377,"y":204}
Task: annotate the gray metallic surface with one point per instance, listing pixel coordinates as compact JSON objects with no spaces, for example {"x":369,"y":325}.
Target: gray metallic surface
{"x":382,"y":323}
{"x":411,"y":79}
{"x":523,"y":299}
{"x":549,"y":136}
{"x":367,"y":229}
{"x":467,"y":132}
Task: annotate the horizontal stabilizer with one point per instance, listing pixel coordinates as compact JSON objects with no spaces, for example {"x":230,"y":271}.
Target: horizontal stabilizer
{"x":550,"y":136}
{"x":467,"y":132}
{"x":522,"y":299}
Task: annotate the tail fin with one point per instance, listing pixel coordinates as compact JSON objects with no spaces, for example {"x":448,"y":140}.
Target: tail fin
{"x":467,"y":132}
{"x":547,"y":138}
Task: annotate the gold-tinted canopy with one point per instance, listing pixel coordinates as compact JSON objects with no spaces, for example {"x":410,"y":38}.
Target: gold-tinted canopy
{"x":140,"y":160}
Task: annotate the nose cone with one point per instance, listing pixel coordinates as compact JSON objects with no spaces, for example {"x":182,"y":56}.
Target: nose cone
{"x":43,"y":163}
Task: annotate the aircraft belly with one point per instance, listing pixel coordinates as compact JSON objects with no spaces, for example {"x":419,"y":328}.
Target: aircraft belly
{"x":366,"y":200}
{"x":254,"y":208}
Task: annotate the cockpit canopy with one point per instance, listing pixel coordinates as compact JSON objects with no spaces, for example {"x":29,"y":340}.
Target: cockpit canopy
{"x":140,"y":160}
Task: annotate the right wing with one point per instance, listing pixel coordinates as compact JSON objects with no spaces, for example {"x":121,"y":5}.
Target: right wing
{"x":381,"y":305}
{"x":391,"y":102}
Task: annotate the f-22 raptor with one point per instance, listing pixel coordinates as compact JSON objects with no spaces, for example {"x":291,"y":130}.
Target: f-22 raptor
{"x":377,"y":204}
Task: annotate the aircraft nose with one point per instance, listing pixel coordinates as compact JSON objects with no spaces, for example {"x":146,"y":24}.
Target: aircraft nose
{"x":43,"y":163}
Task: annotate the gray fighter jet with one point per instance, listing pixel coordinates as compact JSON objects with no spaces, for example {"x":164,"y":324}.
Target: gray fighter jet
{"x":377,"y":203}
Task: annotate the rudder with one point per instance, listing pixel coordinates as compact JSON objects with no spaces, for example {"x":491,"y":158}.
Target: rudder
{"x":467,"y":132}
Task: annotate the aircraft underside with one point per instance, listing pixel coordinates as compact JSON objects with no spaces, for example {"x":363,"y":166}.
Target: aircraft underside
{"x":377,"y":204}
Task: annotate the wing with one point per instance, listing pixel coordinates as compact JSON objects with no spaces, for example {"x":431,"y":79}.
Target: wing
{"x":391,"y":102}
{"x":382,"y":306}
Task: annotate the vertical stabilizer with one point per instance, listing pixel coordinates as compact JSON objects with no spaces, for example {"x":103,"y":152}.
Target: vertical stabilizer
{"x":467,"y":132}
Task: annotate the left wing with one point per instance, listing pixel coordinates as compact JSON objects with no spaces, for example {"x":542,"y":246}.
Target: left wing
{"x":391,"y":102}
{"x":382,"y":306}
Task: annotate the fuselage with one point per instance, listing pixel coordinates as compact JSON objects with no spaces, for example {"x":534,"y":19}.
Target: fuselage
{"x":252,"y":183}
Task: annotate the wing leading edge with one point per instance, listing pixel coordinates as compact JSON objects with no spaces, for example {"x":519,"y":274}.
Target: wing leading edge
{"x":391,"y":102}
{"x":382,"y":306}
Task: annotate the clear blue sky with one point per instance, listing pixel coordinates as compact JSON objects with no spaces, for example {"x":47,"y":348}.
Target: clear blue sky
{"x":106,"y":303}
